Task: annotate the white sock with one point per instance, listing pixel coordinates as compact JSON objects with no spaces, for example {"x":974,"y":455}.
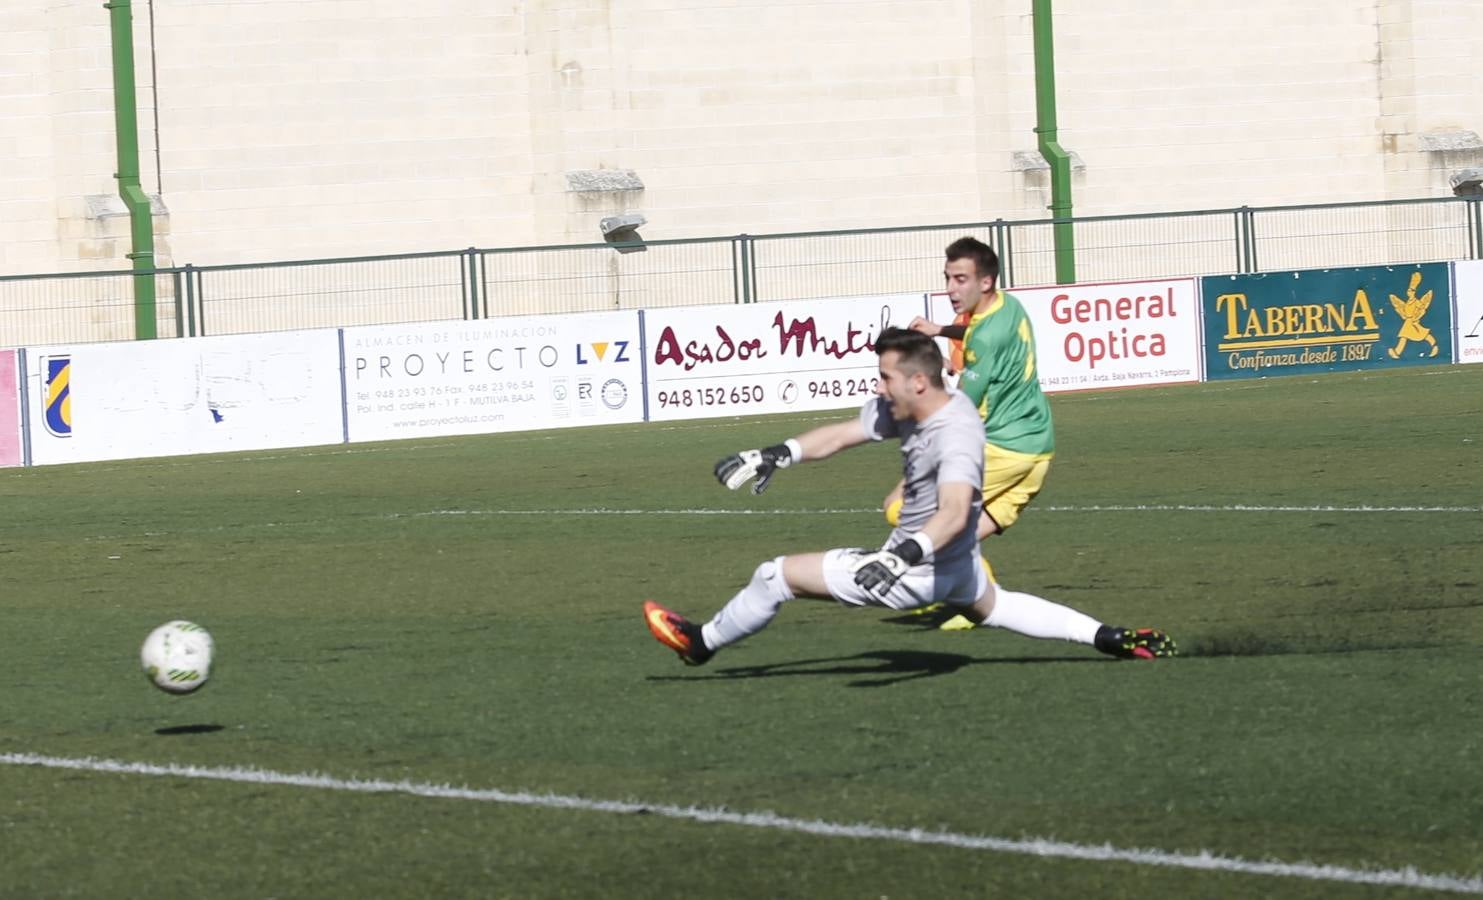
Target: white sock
{"x":1035,"y":617}
{"x":751,"y":609}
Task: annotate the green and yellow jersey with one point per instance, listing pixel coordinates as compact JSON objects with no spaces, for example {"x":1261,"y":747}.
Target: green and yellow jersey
{"x":999,"y":376}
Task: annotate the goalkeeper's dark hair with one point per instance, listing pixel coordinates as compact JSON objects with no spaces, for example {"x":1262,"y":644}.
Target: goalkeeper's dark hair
{"x":918,"y":352}
{"x":985,"y":260}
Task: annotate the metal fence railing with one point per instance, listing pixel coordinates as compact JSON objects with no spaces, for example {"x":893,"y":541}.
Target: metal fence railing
{"x":591,"y":277}
{"x":484,"y":283}
{"x":92,"y":306}
{"x":327,"y":293}
{"x":1352,"y":234}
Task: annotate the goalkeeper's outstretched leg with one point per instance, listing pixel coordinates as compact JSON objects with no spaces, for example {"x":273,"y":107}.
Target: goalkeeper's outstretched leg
{"x":882,"y":578}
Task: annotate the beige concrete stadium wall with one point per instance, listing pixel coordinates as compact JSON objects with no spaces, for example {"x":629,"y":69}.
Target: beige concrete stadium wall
{"x":318,"y":128}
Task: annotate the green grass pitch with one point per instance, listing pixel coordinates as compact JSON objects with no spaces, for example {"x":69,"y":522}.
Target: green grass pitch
{"x":465,"y":612}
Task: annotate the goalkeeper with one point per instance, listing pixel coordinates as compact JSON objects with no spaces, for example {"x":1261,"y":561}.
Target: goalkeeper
{"x":931,"y":556}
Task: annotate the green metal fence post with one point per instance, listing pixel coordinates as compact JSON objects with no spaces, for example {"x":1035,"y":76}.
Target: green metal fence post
{"x":201,"y":302}
{"x":482,"y":283}
{"x":1475,"y":225}
{"x":471,"y":281}
{"x":736,"y":275}
{"x":1006,"y":267}
{"x":1252,"y":263}
{"x":1238,"y":233}
{"x":190,"y":299}
{"x":998,"y":238}
{"x":463,"y":286}
{"x":748,"y":268}
{"x":175,"y":287}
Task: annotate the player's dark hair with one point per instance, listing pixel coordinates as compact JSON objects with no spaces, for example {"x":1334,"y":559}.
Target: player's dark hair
{"x":985,"y":260}
{"x":918,"y":352}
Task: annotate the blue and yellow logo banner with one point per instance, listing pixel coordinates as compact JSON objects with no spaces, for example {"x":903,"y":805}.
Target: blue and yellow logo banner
{"x":1287,"y":323}
{"x":57,"y":393}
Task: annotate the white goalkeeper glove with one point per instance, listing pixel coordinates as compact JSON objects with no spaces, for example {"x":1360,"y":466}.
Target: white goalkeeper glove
{"x":739,"y":468}
{"x":878,"y":572}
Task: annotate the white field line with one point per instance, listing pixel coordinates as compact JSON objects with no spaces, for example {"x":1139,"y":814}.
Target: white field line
{"x":699,"y":511}
{"x":808,"y":512}
{"x":1040,"y":847}
{"x":840,"y":511}
{"x":1241,"y":507}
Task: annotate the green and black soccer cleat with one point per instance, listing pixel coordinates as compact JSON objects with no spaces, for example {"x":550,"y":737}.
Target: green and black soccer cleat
{"x":1135,"y":643}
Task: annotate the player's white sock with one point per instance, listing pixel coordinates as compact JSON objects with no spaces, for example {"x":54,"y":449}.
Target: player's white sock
{"x":751,"y":609}
{"x":1036,"y":617}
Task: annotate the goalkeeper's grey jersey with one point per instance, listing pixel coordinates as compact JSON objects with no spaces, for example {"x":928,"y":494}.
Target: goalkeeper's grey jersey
{"x":947,"y":447}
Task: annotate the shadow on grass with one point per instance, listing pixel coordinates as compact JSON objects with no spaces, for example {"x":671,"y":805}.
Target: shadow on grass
{"x":882,"y":668}
{"x":1241,"y":643}
{"x":189,"y":729}
{"x":1252,"y":643}
{"x":876,"y":668}
{"x":1229,"y":642}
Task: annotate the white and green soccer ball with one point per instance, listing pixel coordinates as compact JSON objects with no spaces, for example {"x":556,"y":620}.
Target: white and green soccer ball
{"x":177,"y":656}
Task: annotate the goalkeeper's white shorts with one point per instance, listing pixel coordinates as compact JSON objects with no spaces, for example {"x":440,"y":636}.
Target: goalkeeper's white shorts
{"x":960,"y":583}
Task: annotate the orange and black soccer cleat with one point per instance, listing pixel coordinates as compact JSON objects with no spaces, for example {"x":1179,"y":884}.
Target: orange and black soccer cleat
{"x":677,"y":633}
{"x":1135,"y":643}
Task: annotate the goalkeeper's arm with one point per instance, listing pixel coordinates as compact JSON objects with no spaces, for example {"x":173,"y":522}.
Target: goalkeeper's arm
{"x":954,"y":513}
{"x":878,"y":572}
{"x":954,"y":508}
{"x":758,"y":466}
{"x":827,"y":440}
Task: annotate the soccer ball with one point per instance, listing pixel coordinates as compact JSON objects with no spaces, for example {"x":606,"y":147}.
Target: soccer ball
{"x":177,"y":656}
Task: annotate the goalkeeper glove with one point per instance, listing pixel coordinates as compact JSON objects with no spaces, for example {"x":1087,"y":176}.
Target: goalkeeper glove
{"x":878,"y":572}
{"x":739,"y":468}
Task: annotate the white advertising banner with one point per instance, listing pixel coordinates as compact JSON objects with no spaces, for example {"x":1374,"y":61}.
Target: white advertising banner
{"x":1468,"y":292}
{"x":759,"y":358}
{"x":1090,"y":336}
{"x":183,"y":395}
{"x":478,"y":377}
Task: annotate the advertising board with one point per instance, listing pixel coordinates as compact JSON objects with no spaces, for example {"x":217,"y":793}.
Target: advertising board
{"x":1468,"y":286}
{"x":492,"y":375}
{"x":1117,"y":334}
{"x":756,"y":358}
{"x":187,"y":395}
{"x":1326,"y":320}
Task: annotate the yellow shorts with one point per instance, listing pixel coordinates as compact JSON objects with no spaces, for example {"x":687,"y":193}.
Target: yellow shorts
{"x":1011,"y":481}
